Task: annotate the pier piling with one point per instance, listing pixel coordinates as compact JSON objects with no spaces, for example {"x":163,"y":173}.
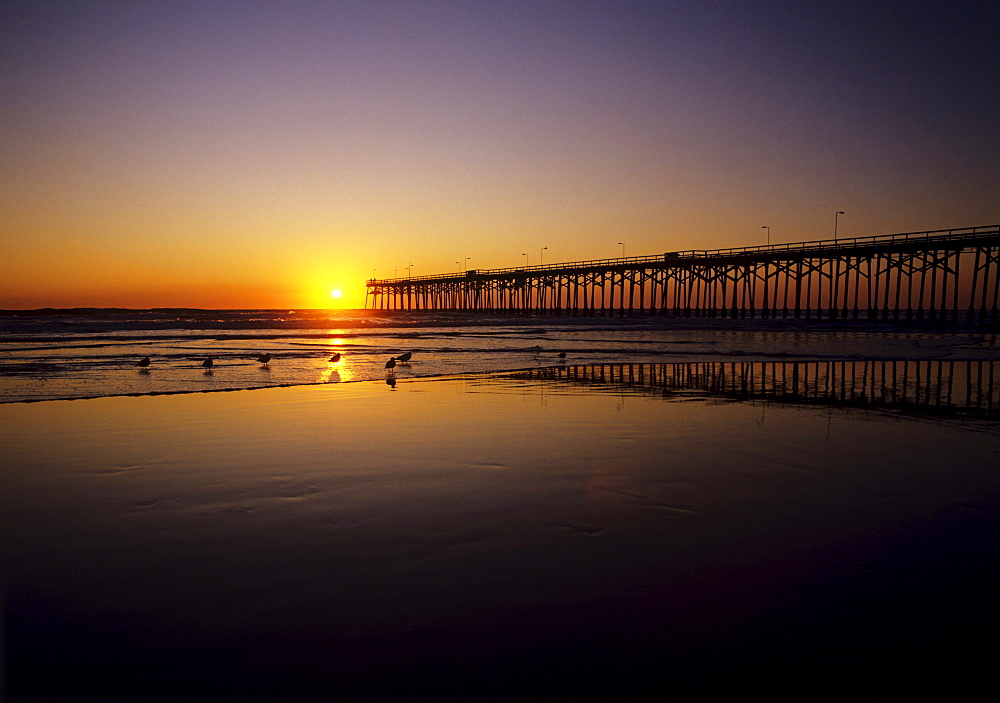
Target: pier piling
{"x":934,"y":276}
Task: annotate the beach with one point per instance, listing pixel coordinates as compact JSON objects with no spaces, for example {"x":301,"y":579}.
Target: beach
{"x":495,"y":536}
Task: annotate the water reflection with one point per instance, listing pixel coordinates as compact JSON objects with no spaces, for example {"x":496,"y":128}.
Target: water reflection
{"x":966,"y":388}
{"x":337,"y":371}
{"x":337,"y":368}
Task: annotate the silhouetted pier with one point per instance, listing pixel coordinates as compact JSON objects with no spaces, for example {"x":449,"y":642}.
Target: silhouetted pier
{"x":941,"y":275}
{"x":922,"y":387}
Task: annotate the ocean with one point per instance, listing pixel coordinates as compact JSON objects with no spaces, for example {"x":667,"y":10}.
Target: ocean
{"x":92,"y":352}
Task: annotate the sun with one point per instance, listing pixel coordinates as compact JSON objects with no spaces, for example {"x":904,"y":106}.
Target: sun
{"x":336,"y":293}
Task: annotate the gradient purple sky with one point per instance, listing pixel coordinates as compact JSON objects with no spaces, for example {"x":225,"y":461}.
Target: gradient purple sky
{"x":239,"y":154}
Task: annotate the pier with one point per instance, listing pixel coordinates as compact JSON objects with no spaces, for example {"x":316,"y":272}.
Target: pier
{"x":939,"y":275}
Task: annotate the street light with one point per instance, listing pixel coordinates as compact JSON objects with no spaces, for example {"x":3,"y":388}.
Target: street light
{"x":409,"y":271}
{"x":836,"y":221}
{"x":540,"y":256}
{"x":526,"y":260}
{"x":768,"y":234}
{"x":623,"y":249}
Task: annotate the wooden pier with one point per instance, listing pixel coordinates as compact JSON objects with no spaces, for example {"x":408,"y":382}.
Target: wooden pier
{"x":940,"y":275}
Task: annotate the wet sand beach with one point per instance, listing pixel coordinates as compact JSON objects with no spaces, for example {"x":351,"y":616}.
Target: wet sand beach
{"x":496,"y":537}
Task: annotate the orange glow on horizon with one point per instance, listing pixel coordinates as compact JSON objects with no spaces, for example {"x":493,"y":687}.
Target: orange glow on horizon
{"x":161,"y":156}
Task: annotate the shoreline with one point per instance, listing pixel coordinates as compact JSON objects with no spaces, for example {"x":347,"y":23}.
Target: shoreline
{"x":741,"y":361}
{"x":411,"y":379}
{"x":96,"y":363}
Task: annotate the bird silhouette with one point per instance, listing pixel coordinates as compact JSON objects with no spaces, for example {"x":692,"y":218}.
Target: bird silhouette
{"x":207,"y":363}
{"x":405,"y":357}
{"x":390,"y":364}
{"x":562,"y":355}
{"x":264,"y":358}
{"x":143,"y":362}
{"x":335,"y":358}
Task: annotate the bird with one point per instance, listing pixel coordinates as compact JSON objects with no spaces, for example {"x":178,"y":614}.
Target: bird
{"x":264,"y":358}
{"x":335,"y":358}
{"x":207,"y":363}
{"x":405,"y":357}
{"x":390,"y":364}
{"x":143,"y":362}
{"x":562,"y":355}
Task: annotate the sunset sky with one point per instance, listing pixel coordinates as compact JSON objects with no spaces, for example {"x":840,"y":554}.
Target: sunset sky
{"x":261,"y":154}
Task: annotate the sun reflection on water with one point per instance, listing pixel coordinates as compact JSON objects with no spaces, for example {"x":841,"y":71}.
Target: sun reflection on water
{"x":338,"y":369}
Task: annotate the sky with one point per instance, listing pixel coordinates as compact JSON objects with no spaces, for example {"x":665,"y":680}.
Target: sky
{"x":222,"y":154}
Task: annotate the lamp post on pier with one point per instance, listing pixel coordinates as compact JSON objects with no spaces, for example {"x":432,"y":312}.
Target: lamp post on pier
{"x":623,"y":249}
{"x":541,"y":256}
{"x":836,"y":221}
{"x":526,"y":260}
{"x":768,"y":234}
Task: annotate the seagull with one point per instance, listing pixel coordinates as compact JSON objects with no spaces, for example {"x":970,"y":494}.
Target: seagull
{"x":562,"y":355}
{"x":390,"y":364}
{"x":264,"y":358}
{"x":405,"y":358}
{"x":335,"y":358}
{"x":143,"y":362}
{"x":207,"y":363}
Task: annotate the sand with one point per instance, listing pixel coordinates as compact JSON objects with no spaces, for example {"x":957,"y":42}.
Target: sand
{"x":493,"y":538}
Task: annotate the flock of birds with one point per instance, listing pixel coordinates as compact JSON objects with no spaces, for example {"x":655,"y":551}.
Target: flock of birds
{"x":403,"y":359}
{"x":264,"y":359}
{"x":208,"y":363}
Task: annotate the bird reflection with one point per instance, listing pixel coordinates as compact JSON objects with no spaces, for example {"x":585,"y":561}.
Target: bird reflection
{"x":391,"y":382}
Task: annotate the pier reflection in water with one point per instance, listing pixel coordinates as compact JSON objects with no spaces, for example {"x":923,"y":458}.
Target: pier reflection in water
{"x":964,"y":388}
